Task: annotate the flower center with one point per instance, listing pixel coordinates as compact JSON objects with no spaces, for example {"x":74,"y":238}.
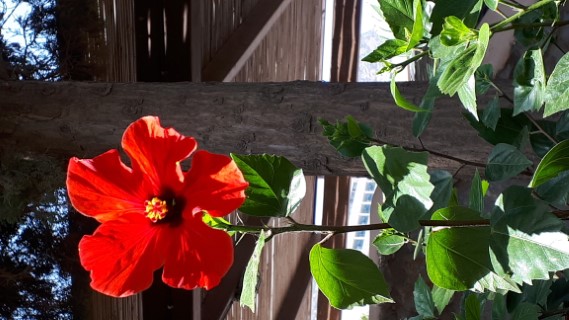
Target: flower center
{"x":156,"y":209}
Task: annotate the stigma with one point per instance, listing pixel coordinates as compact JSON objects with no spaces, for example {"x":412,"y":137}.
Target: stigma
{"x":156,"y":209}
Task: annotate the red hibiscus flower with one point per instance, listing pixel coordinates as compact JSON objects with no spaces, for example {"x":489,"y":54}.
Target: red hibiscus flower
{"x":151,"y":212}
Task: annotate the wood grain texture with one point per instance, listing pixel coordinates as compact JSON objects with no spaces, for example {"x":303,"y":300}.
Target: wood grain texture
{"x":85,"y":119}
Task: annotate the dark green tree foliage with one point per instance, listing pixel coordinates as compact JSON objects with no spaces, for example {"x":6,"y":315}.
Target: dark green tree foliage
{"x":34,"y":278}
{"x":54,"y":41}
{"x":28,"y":43}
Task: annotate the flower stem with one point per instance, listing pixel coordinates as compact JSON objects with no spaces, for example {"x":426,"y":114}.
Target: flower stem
{"x":299,"y":227}
{"x":414,"y":58}
{"x":498,"y":26}
{"x":528,"y":116}
{"x":333,"y":230}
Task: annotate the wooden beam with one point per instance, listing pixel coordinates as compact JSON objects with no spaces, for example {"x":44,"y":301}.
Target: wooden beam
{"x":231,"y":57}
{"x":86,"y":119}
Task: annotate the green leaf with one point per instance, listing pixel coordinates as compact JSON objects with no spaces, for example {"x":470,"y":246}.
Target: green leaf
{"x":421,"y":119}
{"x":418,"y":27}
{"x":387,"y":50}
{"x":343,"y":136}
{"x":505,"y":161}
{"x":399,"y":16}
{"x":216,"y":223}
{"x":440,"y":51}
{"x":555,"y":191}
{"x":441,"y":297}
{"x":459,"y":259}
{"x":467,"y":10}
{"x":491,"y":4}
{"x":523,"y":139}
{"x":405,"y":214}
{"x":529,"y":82}
{"x":477,"y":191}
{"x":276,"y":186}
{"x":557,"y":90}
{"x":552,"y":164}
{"x":354,"y":129}
{"x":535,"y":33}
{"x":491,"y":114}
{"x":455,"y":32}
{"x":347,"y":277}
{"x":540,"y":143}
{"x":388,"y":243}
{"x":499,"y":309}
{"x":536,"y":293}
{"x":251,"y":276}
{"x":483,"y":76}
{"x":507,"y":129}
{"x":562,"y":126}
{"x":454,"y":201}
{"x":559,"y":293}
{"x":443,"y":183}
{"x":398,"y":170}
{"x":472,"y":308}
{"x":526,"y":311}
{"x":400,"y":100}
{"x":456,"y":72}
{"x":524,"y":228}
{"x":467,"y":95}
{"x":459,"y":71}
{"x":403,"y":178}
{"x":423,"y":300}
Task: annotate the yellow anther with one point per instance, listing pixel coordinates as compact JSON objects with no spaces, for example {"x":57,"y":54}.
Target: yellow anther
{"x":156,"y":209}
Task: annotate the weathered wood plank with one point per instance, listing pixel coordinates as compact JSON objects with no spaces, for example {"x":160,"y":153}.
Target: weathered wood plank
{"x":291,"y":50}
{"x":345,"y":41}
{"x":86,"y":119}
{"x":196,"y":33}
{"x":231,"y":57}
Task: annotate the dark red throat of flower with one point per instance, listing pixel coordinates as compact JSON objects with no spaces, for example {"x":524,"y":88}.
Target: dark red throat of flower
{"x":156,"y":209}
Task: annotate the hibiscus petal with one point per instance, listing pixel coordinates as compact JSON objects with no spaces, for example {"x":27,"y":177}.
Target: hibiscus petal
{"x":103,"y":187}
{"x":157,"y":151}
{"x":122,"y":255}
{"x":214,"y":184}
{"x":199,"y":257}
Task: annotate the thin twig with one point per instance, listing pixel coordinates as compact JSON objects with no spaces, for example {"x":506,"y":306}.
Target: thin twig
{"x":334,"y":230}
{"x":528,"y":116}
{"x":458,"y":170}
{"x":532,"y":120}
{"x":549,"y":313}
{"x":436,"y":153}
{"x":502,"y":24}
{"x":552,"y":24}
